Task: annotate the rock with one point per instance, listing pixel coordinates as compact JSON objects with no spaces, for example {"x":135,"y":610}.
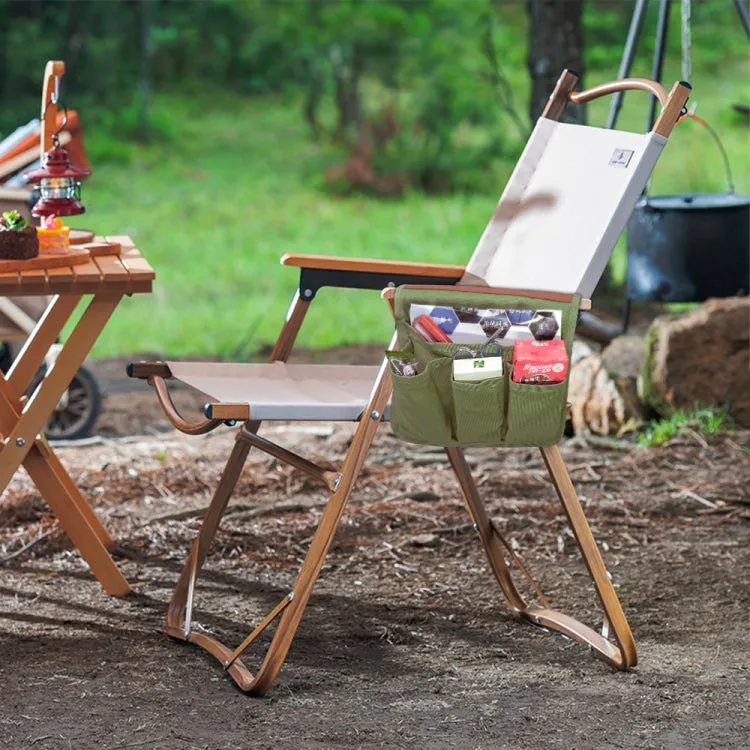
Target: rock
{"x":703,"y":357}
{"x":423,"y":496}
{"x":425,"y":540}
{"x":624,"y":359}
{"x":625,"y":356}
{"x":595,"y":403}
{"x":580,"y":351}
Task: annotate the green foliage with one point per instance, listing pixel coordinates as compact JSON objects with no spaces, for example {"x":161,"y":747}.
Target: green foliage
{"x":231,"y":176}
{"x":701,"y":420}
{"x":450,"y":129}
{"x":12,"y":220}
{"x":214,"y":216}
{"x":419,"y":62}
{"x":717,"y":37}
{"x":237,"y":186}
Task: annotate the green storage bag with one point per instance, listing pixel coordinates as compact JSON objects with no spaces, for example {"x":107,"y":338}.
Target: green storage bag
{"x":433,"y":409}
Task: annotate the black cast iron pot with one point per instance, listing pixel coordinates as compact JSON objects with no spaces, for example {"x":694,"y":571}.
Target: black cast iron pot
{"x":687,"y":248}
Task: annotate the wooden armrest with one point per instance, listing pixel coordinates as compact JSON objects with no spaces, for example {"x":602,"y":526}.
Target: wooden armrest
{"x":367,"y":265}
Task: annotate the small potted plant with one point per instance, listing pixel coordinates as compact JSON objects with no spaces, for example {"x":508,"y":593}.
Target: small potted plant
{"x":18,"y":240}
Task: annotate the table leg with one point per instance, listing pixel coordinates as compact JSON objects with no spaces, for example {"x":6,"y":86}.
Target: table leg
{"x":45,"y":398}
{"x":42,"y":453}
{"x":76,"y":517}
{"x":22,"y":425}
{"x":31,"y":356}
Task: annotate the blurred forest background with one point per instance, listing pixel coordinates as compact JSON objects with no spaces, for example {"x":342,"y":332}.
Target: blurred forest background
{"x":224,"y":133}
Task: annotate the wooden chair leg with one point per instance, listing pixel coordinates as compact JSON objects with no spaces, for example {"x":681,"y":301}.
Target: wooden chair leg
{"x":180,"y":609}
{"x":292,"y":607}
{"x":615,"y":619}
{"x":321,"y":542}
{"x":179,"y":614}
{"x":620,"y":654}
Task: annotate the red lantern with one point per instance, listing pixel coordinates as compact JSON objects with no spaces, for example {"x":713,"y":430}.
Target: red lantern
{"x":59,"y":184}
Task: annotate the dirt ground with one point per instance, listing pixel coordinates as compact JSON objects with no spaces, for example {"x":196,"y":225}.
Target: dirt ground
{"x":406,"y":642}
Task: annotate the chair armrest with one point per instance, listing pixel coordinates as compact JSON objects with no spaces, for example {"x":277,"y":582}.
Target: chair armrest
{"x":366,"y":265}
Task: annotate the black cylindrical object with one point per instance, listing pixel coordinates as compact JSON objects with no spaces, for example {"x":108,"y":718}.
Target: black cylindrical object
{"x":687,"y":248}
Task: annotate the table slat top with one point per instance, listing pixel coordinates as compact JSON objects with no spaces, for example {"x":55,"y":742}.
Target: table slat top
{"x":126,"y":273}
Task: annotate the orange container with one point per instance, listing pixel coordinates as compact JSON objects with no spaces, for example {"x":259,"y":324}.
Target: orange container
{"x":54,"y":240}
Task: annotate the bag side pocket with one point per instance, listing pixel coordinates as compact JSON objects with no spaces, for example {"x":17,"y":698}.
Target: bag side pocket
{"x":536,"y":414}
{"x":479,"y":411}
{"x":422,"y":405}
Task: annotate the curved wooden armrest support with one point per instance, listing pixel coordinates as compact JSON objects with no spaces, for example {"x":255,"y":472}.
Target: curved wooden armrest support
{"x":165,"y":400}
{"x":367,"y":265}
{"x":626,"y":84}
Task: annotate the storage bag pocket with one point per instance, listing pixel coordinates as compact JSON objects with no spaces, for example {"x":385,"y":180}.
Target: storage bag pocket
{"x":536,"y":414}
{"x":479,"y":411}
{"x":422,"y":405}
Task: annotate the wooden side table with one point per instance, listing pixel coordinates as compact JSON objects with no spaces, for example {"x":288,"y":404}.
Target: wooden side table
{"x":108,"y":278}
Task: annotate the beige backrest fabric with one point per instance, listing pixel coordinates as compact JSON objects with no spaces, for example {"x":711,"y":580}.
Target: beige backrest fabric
{"x":564,"y":207}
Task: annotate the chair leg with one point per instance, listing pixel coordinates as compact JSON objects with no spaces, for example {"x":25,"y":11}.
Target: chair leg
{"x":316,"y":554}
{"x":614,"y":616}
{"x":181,"y":606}
{"x":620,"y":654}
{"x":292,"y":607}
{"x":179,"y":614}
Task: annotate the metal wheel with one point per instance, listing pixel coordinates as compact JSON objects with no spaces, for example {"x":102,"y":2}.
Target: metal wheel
{"x":75,"y":415}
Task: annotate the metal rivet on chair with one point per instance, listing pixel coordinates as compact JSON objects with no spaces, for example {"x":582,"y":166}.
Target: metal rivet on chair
{"x":375,"y":414}
{"x":20,"y":442}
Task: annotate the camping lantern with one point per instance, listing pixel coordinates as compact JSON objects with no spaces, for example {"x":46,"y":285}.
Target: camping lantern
{"x":59,"y":184}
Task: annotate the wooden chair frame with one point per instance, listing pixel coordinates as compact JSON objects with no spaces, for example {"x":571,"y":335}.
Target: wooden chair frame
{"x":614,"y":644}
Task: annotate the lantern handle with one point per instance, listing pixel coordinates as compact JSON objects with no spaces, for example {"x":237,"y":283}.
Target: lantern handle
{"x":55,"y":137}
{"x":53,"y":72}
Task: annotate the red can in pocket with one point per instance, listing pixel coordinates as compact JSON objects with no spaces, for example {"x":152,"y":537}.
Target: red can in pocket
{"x":429,"y":330}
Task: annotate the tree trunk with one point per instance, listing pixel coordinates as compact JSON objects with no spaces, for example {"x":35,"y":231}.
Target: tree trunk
{"x":555,"y":43}
{"x":145,"y":9}
{"x":347,"y":75}
{"x":313,"y":98}
{"x":76,"y":36}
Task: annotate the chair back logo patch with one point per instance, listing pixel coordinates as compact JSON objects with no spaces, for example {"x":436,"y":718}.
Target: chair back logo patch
{"x":621,"y":157}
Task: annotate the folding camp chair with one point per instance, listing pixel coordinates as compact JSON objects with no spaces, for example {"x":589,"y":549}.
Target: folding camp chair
{"x":552,"y":232}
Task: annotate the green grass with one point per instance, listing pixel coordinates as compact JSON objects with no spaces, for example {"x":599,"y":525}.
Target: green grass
{"x":237,"y":184}
{"x":238,"y":187}
{"x":702,"y":420}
